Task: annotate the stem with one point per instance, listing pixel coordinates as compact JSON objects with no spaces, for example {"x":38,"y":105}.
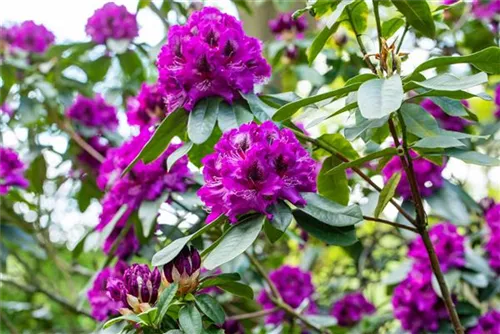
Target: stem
{"x":158,"y":12}
{"x":252,"y":315}
{"x":407,"y":26}
{"x":379,"y":220}
{"x":262,"y":272}
{"x":360,"y":42}
{"x":81,"y":142}
{"x":10,"y":326}
{"x":377,"y":20}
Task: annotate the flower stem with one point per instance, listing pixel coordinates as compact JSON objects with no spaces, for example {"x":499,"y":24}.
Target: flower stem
{"x":379,"y":220}
{"x":252,"y":315}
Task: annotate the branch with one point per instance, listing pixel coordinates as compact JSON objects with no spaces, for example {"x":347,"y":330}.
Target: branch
{"x":407,"y":26}
{"x":81,"y":142}
{"x":379,"y":220}
{"x":252,"y":315}
{"x":360,"y":42}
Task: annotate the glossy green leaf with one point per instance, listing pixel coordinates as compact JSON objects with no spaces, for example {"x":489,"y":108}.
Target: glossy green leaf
{"x":168,"y":253}
{"x":238,"y":289}
{"x":202,"y":119}
{"x":320,"y":41}
{"x":232,"y":116}
{"x":131,"y":65}
{"x":329,"y":212}
{"x":198,"y":152}
{"x":378,"y":98}
{"x":282,"y":216}
{"x":128,"y":317}
{"x":340,"y":144}
{"x":219,"y":279}
{"x":148,"y":211}
{"x":333,"y":186}
{"x":438,"y":142}
{"x":387,"y":193}
{"x":448,"y":82}
{"x":450,"y":106}
{"x":96,"y":70}
{"x":190,"y":319}
{"x":178,"y":153}
{"x":211,"y":308}
{"x":358,"y":16}
{"x":149,"y":316}
{"x":472,"y":157}
{"x":386,"y":152}
{"x":166,"y":297}
{"x":418,"y":15}
{"x":37,"y":174}
{"x":261,"y":111}
{"x":418,"y":121}
{"x":390,"y":27}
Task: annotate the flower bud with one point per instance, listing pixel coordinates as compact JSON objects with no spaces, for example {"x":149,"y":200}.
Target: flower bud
{"x":184,"y":269}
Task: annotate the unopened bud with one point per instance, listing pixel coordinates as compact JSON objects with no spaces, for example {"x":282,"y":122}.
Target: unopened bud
{"x":184,"y":270}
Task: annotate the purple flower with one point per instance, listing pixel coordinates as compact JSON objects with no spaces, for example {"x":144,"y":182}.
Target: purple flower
{"x":233,"y":327}
{"x":184,"y":269}
{"x":492,"y":217}
{"x":101,"y":304}
{"x":209,"y":56}
{"x":100,"y":145}
{"x":148,"y":108}
{"x":11,"y":171}
{"x":93,"y":112}
{"x":111,"y":22}
{"x":143,"y":182}
{"x":6,"y":37}
{"x":6,"y":109}
{"x":254,"y":166}
{"x":416,"y":304}
{"x":447,"y":122}
{"x":31,"y":37}
{"x":288,"y":28}
{"x":449,"y":2}
{"x":449,"y":246}
{"x":497,"y":101}
{"x":485,"y":9}
{"x":137,"y":290}
{"x":295,"y":288}
{"x":489,"y":323}
{"x":211,"y":289}
{"x":428,"y":176}
{"x":350,"y":309}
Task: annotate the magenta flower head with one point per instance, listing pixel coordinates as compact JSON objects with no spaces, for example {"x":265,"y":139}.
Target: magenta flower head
{"x":492,"y":217}
{"x":31,"y":37}
{"x":447,"y":122}
{"x":489,"y":323}
{"x":184,"y":269}
{"x":93,"y":113}
{"x":295,"y":288}
{"x":100,"y":145}
{"x":449,"y":246}
{"x":497,"y":101}
{"x":137,"y":290}
{"x":416,"y":304}
{"x":6,"y":37}
{"x":252,"y":168}
{"x":148,"y":107}
{"x":288,"y":28}
{"x":351,"y":308}
{"x":101,"y":304}
{"x":112,"y":22}
{"x":11,"y":171}
{"x":428,"y":176}
{"x":485,"y":9}
{"x":233,"y":327}
{"x":209,"y":56}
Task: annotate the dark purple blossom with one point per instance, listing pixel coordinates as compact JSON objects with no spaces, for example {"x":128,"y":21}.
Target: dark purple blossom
{"x":485,"y":9}
{"x":416,"y":304}
{"x":211,"y":289}
{"x":148,"y":107}
{"x":492,"y":217}
{"x":184,"y":269}
{"x":209,"y":56}
{"x":11,"y":171}
{"x":489,"y":323}
{"x":112,"y":21}
{"x":143,"y":182}
{"x":428,"y":176}
{"x":233,"y":327}
{"x":447,"y":122}
{"x":351,"y":308}
{"x":93,"y":112}
{"x":137,"y":290}
{"x":100,"y":145}
{"x":295,"y":288}
{"x":449,"y":246}
{"x":101,"y":304}
{"x":31,"y":37}
{"x":497,"y":101}
{"x":288,"y":28}
{"x":6,"y":37}
{"x":252,"y":168}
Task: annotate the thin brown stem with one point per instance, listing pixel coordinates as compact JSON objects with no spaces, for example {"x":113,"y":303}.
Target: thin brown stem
{"x":264,"y":275}
{"x":252,"y":315}
{"x":10,"y":326}
{"x":388,"y":222}
{"x":360,"y":42}
{"x":81,"y":142}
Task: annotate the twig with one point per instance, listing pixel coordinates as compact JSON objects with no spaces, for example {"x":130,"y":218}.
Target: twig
{"x":252,"y":315}
{"x":379,"y":220}
{"x":377,"y":21}
{"x":81,"y":142}
{"x":10,"y":326}
{"x":360,"y":42}
{"x":264,"y":275}
{"x":407,"y":26}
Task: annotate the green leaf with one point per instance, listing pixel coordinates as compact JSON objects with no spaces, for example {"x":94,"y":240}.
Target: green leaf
{"x":280,"y":99}
{"x":418,"y":15}
{"x":418,"y":121}
{"x":451,"y":278}
{"x":168,"y":253}
{"x":106,"y":231}
{"x":164,"y":301}
{"x":333,"y":186}
{"x":262,"y":111}
{"x":386,"y":152}
{"x":238,"y":289}
{"x":456,"y":95}
{"x":148,"y":211}
{"x":131,"y":65}
{"x":391,"y":26}
{"x":190,"y":319}
{"x":340,"y":144}
{"x":448,"y":82}
{"x":331,"y":213}
{"x":438,"y":142}
{"x":473,"y":157}
{"x":282,"y":216}
{"x":359,"y":15}
{"x":337,"y":11}
{"x":363,"y":125}
{"x":149,"y":316}
{"x":234,"y":242}
{"x":202,"y":119}
{"x":487,"y":60}
{"x":291,"y":108}
{"x":88,"y":190}
{"x":128,"y":317}
{"x":232,"y":116}
{"x":219,"y":279}
{"x":96,"y":70}
{"x":446,"y":203}
{"x":332,"y":235}
{"x":320,"y":41}
{"x":198,"y":152}
{"x":387,"y":193}
{"x":178,"y":153}
{"x":380,"y":97}
{"x":450,"y":106}
{"x":143,"y":4}
{"x":211,"y":308}
{"x":478,"y":280}
{"x":37,"y":174}
{"x":173,"y":125}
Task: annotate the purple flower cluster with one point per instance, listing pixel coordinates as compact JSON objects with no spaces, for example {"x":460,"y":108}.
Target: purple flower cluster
{"x":112,"y":22}
{"x":137,"y":290}
{"x":100,"y":145}
{"x":449,"y":246}
{"x":184,"y":269}
{"x":428,"y":176}
{"x":101,"y":304}
{"x":254,"y":166}
{"x":233,"y":327}
{"x":209,"y":56}
{"x":489,"y":323}
{"x":93,"y":112}
{"x":11,"y":170}
{"x":447,"y":122}
{"x":416,"y":304}
{"x":485,"y":9}
{"x":351,"y":308}
{"x":294,"y":286}
{"x":497,"y":101}
{"x":148,"y":107}
{"x":286,"y":27}
{"x":28,"y":36}
{"x":493,"y":220}
{"x":143,"y":182}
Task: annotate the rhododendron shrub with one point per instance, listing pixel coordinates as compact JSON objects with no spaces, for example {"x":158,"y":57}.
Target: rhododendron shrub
{"x":255,"y":167}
